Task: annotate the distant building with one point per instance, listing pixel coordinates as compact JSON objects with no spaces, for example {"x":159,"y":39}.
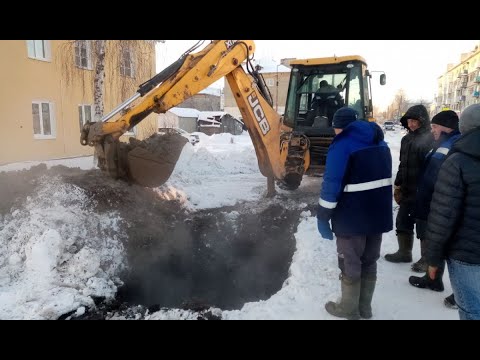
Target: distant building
{"x":459,"y":86}
{"x":206,"y":100}
{"x":208,"y":122}
{"x":231,"y":125}
{"x":183,"y":118}
{"x":276,"y":77}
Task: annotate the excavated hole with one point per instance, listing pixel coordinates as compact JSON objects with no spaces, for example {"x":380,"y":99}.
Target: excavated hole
{"x":220,"y":258}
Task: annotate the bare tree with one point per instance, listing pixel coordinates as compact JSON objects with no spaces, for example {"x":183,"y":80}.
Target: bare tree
{"x":98,"y":82}
{"x":399,"y":105}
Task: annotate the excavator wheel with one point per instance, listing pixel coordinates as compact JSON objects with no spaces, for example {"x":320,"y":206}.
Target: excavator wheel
{"x":290,"y":182}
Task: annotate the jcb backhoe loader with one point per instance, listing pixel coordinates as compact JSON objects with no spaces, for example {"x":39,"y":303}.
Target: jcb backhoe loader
{"x":286,"y":147}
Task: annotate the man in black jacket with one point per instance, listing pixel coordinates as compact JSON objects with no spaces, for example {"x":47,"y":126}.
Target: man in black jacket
{"x":415,"y":145}
{"x":453,"y":228}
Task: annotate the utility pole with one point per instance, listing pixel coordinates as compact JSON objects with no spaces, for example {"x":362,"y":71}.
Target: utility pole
{"x":276,"y":92}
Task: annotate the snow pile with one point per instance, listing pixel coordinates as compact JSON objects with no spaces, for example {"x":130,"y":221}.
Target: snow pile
{"x":57,"y":253}
{"x":220,"y":170}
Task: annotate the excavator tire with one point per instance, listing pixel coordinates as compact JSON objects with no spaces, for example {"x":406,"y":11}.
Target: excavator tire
{"x":290,"y":182}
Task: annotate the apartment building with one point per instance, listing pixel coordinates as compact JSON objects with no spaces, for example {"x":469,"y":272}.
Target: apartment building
{"x":459,"y":86}
{"x":46,"y":93}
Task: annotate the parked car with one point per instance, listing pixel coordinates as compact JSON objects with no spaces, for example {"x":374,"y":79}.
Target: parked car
{"x":388,"y":125}
{"x":192,"y":138}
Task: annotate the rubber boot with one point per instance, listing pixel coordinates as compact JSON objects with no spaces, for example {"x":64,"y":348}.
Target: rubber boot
{"x":404,"y":253}
{"x":421,"y":265}
{"x":348,"y":306}
{"x":367,"y":289}
{"x":450,"y":303}
{"x":425,"y":282}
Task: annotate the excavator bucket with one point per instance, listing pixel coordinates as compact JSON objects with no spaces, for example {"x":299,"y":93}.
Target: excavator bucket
{"x":148,"y":162}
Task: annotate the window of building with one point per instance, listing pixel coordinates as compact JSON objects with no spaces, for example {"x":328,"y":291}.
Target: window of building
{"x":270,"y":82}
{"x":83,"y":56}
{"x":39,"y":49}
{"x":126,"y":63}
{"x":84,"y":114}
{"x":43,"y":120}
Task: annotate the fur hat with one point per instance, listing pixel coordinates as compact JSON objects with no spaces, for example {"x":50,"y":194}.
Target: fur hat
{"x":470,"y":118}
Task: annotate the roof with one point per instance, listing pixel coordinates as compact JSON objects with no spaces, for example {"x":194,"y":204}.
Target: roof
{"x":327,"y":60}
{"x":270,"y":66}
{"x":185,"y":112}
{"x":212,"y":91}
{"x":204,"y":115}
{"x":209,"y":123}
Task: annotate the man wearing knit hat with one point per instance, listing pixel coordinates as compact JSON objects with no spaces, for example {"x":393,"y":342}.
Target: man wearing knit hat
{"x":414,"y":146}
{"x":453,"y":227}
{"x":356,"y":195}
{"x":445,"y":132}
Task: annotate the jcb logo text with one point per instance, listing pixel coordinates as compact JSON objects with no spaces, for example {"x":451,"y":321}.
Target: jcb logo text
{"x":259,"y":113}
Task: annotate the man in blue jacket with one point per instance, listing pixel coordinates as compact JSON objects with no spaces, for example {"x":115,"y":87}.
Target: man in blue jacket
{"x":357,"y":196}
{"x":445,"y":132}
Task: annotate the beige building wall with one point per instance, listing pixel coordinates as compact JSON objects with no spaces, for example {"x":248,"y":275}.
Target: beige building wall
{"x":57,"y":81}
{"x":279,"y":93}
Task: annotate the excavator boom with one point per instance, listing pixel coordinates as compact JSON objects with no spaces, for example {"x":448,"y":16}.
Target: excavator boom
{"x":186,"y":77}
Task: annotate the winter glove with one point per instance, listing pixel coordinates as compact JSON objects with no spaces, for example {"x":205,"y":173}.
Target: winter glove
{"x":397,"y":194}
{"x":324,"y":229}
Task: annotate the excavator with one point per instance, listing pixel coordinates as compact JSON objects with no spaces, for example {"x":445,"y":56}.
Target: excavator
{"x":287,"y":147}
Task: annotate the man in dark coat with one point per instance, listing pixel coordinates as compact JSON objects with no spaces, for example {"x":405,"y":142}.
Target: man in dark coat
{"x":453,"y":228}
{"x":445,"y":131}
{"x":414,"y":147}
{"x":357,"y":196}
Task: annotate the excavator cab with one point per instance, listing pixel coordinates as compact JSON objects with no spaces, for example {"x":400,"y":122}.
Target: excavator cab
{"x":317,"y":89}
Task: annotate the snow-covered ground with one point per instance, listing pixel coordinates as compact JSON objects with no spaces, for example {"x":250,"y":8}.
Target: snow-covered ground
{"x":41,"y":277}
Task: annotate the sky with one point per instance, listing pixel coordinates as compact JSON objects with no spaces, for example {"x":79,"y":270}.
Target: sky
{"x":42,"y":278}
{"x":411,"y":65}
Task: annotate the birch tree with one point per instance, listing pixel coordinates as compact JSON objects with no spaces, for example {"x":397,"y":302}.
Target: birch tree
{"x":99,"y":79}
{"x":79,"y":56}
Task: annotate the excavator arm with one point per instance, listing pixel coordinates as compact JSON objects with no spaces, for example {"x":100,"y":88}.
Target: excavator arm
{"x":281,"y":154}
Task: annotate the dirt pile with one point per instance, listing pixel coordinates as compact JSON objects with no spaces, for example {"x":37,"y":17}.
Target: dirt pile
{"x":151,"y":161}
